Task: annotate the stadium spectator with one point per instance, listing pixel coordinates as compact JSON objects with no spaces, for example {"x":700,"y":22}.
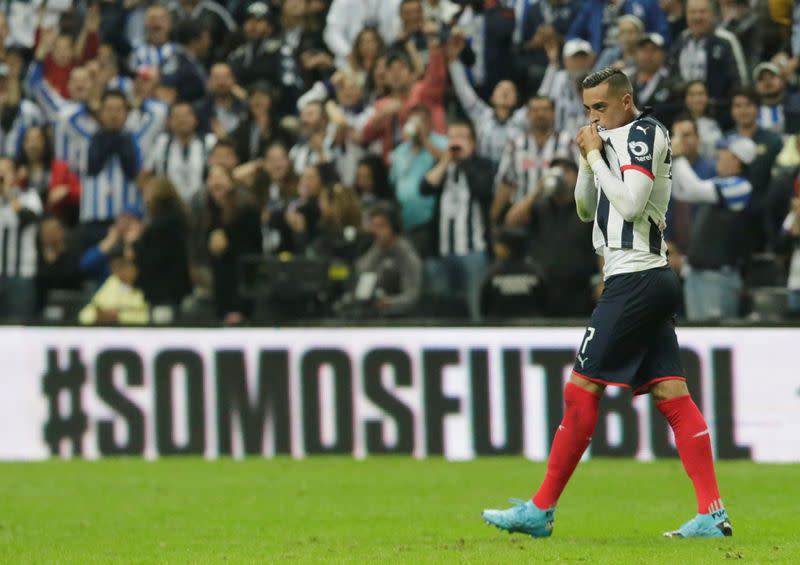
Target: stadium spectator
{"x":707,"y":53}
{"x":300,"y":219}
{"x":340,"y":221}
{"x":779,"y":110}
{"x":221,"y":111}
{"x":745,"y":23}
{"x":678,"y":230}
{"x":719,"y":240}
{"x":440,"y":12}
{"x":211,"y":16}
{"x":94,"y":261}
{"x":16,"y":113}
{"x":676,"y":16}
{"x":368,"y":47}
{"x":388,"y":277}
{"x":148,"y":115}
{"x":113,"y":163}
{"x":118,"y":301}
{"x":180,"y":154}
{"x":696,"y":105}
{"x":184,"y":75}
{"x":622,"y":54}
{"x":548,"y":215}
{"x":461,"y":183}
{"x":223,"y":154}
{"x":258,"y":59}
{"x":34,"y":160}
{"x":161,"y":250}
{"x":563,"y":85}
{"x":346,"y":19}
{"x":20,"y":209}
{"x":544,"y":22}
{"x":392,"y":111}
{"x":791,"y":235}
{"x":372,"y":181}
{"x":64,"y":193}
{"x":260,"y":127}
{"x":58,"y":261}
{"x":598,"y":20}
{"x":232,"y":229}
{"x":489,"y":30}
{"x":653,"y":84}
{"x":514,"y":286}
{"x":316,"y":138}
{"x":495,"y":124}
{"x":155,"y":48}
{"x":528,"y":156}
{"x":411,"y":161}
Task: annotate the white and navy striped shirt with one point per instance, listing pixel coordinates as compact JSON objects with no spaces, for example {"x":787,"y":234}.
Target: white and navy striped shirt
{"x":149,"y":55}
{"x":493,"y":135}
{"x":184,"y":165}
{"x":562,"y":90}
{"x":28,"y":115}
{"x":147,"y":122}
{"x":637,"y":243}
{"x":772,"y":118}
{"x":462,"y":229}
{"x":302,"y":154}
{"x":18,"y":235}
{"x":524,"y":162}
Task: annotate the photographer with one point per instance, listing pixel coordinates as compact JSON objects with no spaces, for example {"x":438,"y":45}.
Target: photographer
{"x":548,"y":213}
{"x":19,"y":212}
{"x":462,"y":185}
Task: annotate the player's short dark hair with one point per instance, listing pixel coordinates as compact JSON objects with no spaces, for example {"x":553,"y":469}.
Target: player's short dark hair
{"x":745,"y":92}
{"x":686,"y":117}
{"x":461,"y":122}
{"x":616,"y":79}
{"x":540,"y":97}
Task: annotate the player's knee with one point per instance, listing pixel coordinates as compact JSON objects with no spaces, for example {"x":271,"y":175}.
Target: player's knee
{"x":664,"y":390}
{"x":586,"y":384}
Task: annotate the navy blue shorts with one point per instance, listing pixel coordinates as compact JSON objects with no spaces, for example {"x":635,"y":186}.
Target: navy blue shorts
{"x":631,"y":339}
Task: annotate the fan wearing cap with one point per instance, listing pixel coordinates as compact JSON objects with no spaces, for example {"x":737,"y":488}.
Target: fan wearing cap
{"x":258,"y":58}
{"x":563,"y":85}
{"x":719,"y":233}
{"x":779,"y":109}
{"x":653,"y":84}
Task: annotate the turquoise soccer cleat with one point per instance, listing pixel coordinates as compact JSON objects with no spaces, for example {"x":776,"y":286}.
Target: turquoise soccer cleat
{"x":714,"y":525}
{"x":522,"y":518}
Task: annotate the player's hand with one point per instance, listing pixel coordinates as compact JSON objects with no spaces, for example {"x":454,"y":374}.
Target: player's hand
{"x":589,"y":139}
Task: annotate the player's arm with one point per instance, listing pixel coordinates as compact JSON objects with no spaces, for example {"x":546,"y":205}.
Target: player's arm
{"x":630,"y":194}
{"x":585,"y":192}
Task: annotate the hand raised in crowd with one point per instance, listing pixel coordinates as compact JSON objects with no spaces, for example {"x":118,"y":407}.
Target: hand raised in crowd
{"x":432,"y":31}
{"x":57,"y":194}
{"x":455,"y":45}
{"x":296,"y":221}
{"x":92,"y":22}
{"x":390,"y":107}
{"x":47,"y":41}
{"x":677,"y":145}
{"x":110,"y":240}
{"x":588,"y":139}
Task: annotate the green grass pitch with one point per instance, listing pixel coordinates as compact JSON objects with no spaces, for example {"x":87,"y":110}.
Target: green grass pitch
{"x":381,"y":510}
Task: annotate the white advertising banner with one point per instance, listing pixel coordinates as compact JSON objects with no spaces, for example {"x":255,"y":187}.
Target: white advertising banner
{"x":455,"y":392}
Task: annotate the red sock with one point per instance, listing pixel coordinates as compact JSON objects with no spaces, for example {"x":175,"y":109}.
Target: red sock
{"x":694,"y":447}
{"x":571,"y":440}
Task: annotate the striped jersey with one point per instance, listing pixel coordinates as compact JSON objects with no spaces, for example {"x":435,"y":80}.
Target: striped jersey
{"x":642,"y":145}
{"x":492,"y":134}
{"x":462,"y":229}
{"x":147,"y":122}
{"x":149,"y":55}
{"x":563,"y":91}
{"x":525,"y":162}
{"x":184,"y":165}
{"x":771,"y":118}
{"x":28,"y":115}
{"x":18,"y":235}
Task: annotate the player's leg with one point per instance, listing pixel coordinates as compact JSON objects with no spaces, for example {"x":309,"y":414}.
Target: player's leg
{"x":694,"y":447}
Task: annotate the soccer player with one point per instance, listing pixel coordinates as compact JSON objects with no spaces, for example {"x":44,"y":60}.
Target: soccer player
{"x":624,"y":186}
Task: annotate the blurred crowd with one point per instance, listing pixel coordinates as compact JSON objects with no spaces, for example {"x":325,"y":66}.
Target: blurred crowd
{"x":257,"y":161}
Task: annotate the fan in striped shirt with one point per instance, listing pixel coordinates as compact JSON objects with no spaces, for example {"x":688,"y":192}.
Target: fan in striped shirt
{"x":495,"y":124}
{"x":156,"y":48}
{"x":527,"y":157}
